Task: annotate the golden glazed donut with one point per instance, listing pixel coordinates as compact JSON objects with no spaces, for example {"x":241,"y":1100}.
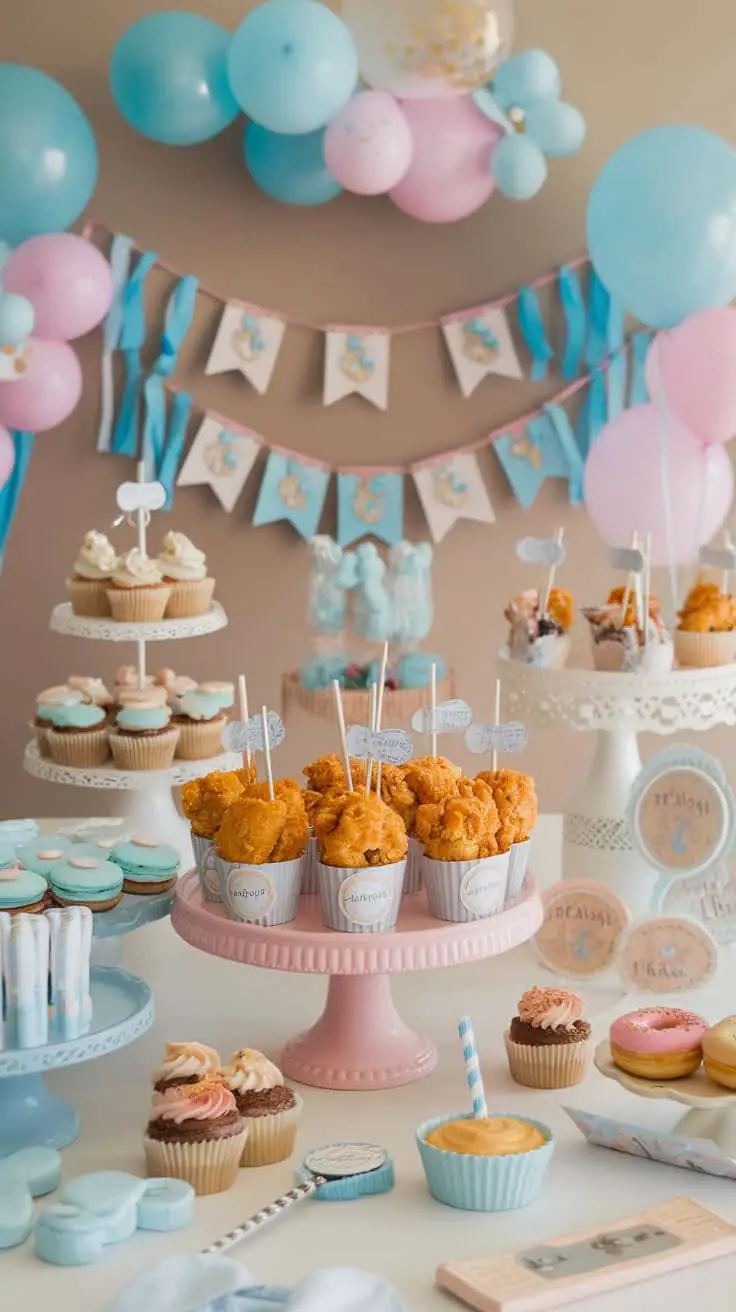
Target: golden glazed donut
{"x":719,"y":1052}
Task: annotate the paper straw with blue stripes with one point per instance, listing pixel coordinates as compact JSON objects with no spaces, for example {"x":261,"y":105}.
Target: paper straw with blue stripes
{"x":472,"y":1067}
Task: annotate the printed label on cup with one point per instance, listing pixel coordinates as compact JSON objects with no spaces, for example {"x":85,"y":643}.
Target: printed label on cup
{"x":668,"y":955}
{"x":251,"y":892}
{"x":483,"y":889}
{"x":682,"y":820}
{"x":582,"y":928}
{"x":365,"y":897}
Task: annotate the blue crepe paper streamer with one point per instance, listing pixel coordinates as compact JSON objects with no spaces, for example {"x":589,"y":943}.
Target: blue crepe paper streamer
{"x":617,"y":373}
{"x":177,"y":321}
{"x":599,"y":309}
{"x":531,"y":324}
{"x":639,"y":389}
{"x":181,"y":409}
{"x":573,"y":304}
{"x":597,"y":405}
{"x":568,"y":443}
{"x":120,"y":256}
{"x":132,"y":339}
{"x":10,"y":493}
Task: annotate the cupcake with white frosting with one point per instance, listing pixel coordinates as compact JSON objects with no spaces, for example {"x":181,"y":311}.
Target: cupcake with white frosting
{"x":269,"y":1107}
{"x":186,"y":1063}
{"x":91,"y":576}
{"x":137,"y":593}
{"x":184,"y":570}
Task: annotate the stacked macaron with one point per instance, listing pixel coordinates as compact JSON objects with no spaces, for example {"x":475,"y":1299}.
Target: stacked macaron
{"x":20,"y":890}
{"x":147,"y":866}
{"x":54,"y":870}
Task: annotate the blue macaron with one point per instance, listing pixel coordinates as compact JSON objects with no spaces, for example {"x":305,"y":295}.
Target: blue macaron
{"x":7,"y":856}
{"x":43,"y":853}
{"x":148,"y":866}
{"x":88,"y":881}
{"x":22,"y":890}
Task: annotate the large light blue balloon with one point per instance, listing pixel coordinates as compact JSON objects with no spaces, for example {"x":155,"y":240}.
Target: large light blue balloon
{"x":662,"y":224}
{"x":519,"y":167}
{"x":291,"y":169}
{"x":168,"y":77}
{"x":292,"y":65}
{"x":48,"y":156}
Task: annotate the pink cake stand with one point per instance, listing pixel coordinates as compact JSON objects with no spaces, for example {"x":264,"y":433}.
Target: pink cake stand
{"x":359,"y":1041}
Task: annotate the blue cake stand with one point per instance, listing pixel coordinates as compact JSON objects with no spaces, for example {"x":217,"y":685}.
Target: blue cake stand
{"x":30,"y":1116}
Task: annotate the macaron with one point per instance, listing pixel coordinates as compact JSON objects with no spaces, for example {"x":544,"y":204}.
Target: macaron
{"x":18,"y":832}
{"x":86,"y":881}
{"x":7,"y":856}
{"x":147,"y":865}
{"x":43,"y":853}
{"x":719,"y":1052}
{"x":22,"y":890}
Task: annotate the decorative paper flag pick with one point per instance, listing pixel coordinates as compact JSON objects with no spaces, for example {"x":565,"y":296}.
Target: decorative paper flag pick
{"x":141,"y":496}
{"x":243,"y":703}
{"x":504,"y":738}
{"x":472,"y":1068}
{"x":241,"y":735}
{"x":433,"y":690}
{"x":267,"y":750}
{"x":630,"y":559}
{"x":374,"y":722}
{"x":496,"y":722}
{"x":540,"y":551}
{"x":723,"y":558}
{"x":449,"y":717}
{"x":341,"y":729}
{"x":392,"y":746}
{"x":379,"y":710}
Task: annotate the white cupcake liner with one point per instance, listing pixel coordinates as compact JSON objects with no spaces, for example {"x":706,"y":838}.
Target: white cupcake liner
{"x":210,"y":1167}
{"x":548,"y":1065}
{"x":414,"y":867}
{"x":85,"y":750}
{"x":189,"y":598}
{"x":361,"y":901}
{"x":204,"y":859}
{"x":608,"y":654}
{"x":271,"y":1139}
{"x":266,"y":894}
{"x":705,"y":650}
{"x":462,"y":891}
{"x":200,"y":740}
{"x":484,"y":1184}
{"x":144,"y":605}
{"x":518,"y":863}
{"x":310,"y":861}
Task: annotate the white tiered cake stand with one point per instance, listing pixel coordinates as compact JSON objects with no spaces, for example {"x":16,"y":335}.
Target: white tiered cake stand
{"x":618,"y":707}
{"x":360,"y":1041}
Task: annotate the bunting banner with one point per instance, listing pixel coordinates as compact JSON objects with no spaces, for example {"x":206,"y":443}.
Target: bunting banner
{"x":370,"y":505}
{"x":357,"y":361}
{"x":481,"y":344}
{"x":453,"y":490}
{"x":248,"y":340}
{"x":220,"y":459}
{"x":292,"y":491}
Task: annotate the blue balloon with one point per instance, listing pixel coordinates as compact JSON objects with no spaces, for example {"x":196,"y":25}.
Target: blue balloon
{"x":293,"y":65}
{"x":17,"y":319}
{"x":168,"y":77}
{"x":557,"y":128}
{"x":48,"y":155}
{"x":291,"y":169}
{"x":519,"y":167}
{"x":529,"y":76}
{"x":662,"y":224}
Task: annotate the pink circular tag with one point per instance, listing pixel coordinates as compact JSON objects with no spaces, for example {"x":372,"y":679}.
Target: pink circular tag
{"x":84,"y":863}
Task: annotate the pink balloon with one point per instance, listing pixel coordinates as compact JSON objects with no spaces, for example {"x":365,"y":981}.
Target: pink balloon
{"x":47,"y":393}
{"x":624,"y":485}
{"x":369,"y":146}
{"x":66,"y":279}
{"x":7,"y":456}
{"x":696,"y":368}
{"x":450,"y":175}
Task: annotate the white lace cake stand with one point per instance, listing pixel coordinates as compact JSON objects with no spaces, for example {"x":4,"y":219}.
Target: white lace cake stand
{"x":618,"y":707}
{"x":360,"y":1041}
{"x":713,"y":1108}
{"x":63,"y":620}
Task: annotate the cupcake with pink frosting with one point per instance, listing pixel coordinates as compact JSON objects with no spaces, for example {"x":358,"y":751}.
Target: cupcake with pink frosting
{"x":196,"y":1134}
{"x":270,"y":1109}
{"x":186,"y":1063}
{"x":548,"y":1042}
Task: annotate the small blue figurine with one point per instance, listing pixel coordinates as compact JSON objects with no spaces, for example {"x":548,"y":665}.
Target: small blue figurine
{"x":331,"y":576}
{"x":410,"y":590}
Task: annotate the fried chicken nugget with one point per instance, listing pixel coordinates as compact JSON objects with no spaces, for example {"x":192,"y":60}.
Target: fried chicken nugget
{"x":707,"y":610}
{"x":252,"y":830}
{"x":326,"y":775}
{"x":616,"y":598}
{"x":431,"y":778}
{"x":561,"y":608}
{"x":205,"y":801}
{"x":461,"y":828}
{"x":516,"y":802}
{"x":295,"y":834}
{"x":357,"y":831}
{"x":248,"y":774}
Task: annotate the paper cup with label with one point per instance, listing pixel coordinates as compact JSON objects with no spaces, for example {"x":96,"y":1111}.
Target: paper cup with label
{"x":361,"y":901}
{"x":462,"y":891}
{"x":414,"y":868}
{"x":263,"y":895}
{"x":204,"y":859}
{"x":518,"y":863}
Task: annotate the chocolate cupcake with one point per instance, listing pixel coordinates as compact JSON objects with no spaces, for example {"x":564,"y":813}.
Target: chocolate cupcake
{"x":186,"y":1063}
{"x":269,"y":1108}
{"x":548,"y":1042}
{"x":196,"y":1134}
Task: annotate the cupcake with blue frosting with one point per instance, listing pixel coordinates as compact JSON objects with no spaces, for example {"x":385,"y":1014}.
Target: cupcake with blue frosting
{"x":200,"y":717}
{"x":47,"y":703}
{"x":143,"y":737}
{"x":78,"y":735}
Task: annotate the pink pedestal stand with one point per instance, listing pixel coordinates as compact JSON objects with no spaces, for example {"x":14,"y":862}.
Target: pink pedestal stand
{"x":360,"y":1041}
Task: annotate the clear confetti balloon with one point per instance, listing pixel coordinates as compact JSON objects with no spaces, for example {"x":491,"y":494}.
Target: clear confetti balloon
{"x":429,"y":49}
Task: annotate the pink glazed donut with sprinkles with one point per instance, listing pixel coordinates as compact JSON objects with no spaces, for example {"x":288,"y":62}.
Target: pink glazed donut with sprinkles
{"x":658,"y":1043}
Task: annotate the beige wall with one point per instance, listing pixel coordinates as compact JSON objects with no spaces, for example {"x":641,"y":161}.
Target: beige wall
{"x":627,"y":65}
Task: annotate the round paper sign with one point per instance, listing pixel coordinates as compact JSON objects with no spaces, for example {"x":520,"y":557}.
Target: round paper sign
{"x":682,"y":820}
{"x":668,"y":955}
{"x":709,"y":898}
{"x":250,"y":892}
{"x":582,"y":928}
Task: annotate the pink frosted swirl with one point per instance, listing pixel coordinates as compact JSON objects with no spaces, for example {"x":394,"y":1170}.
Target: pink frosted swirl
{"x":658,"y":1029}
{"x":206,"y":1101}
{"x":550,"y":1009}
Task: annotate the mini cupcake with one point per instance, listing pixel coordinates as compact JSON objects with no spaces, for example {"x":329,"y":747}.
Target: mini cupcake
{"x":362,"y":847}
{"x":137,"y":593}
{"x":620,"y":642}
{"x":465,"y":868}
{"x":143,"y":738}
{"x":496,"y":1163}
{"x":93,"y":690}
{"x":196,"y":1134}
{"x":270,"y":1109}
{"x":48,"y":703}
{"x":200,"y":719}
{"x":148,"y":866}
{"x":548,"y":1042}
{"x":537,"y":638}
{"x":706,"y":633}
{"x":258,"y":855}
{"x":184,"y":570}
{"x":186,"y":1063}
{"x":516,"y":802}
{"x":78,"y":736}
{"x":91,"y":576}
{"x":204,"y":803}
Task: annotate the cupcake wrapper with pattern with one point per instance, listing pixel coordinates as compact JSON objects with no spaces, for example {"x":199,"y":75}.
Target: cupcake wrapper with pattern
{"x":189,"y":598}
{"x":133,"y":753}
{"x":210,"y":1167}
{"x":414,"y":876}
{"x":271,"y":1138}
{"x":42,"y":741}
{"x":138,"y":605}
{"x":549,"y":1066}
{"x":264,"y":895}
{"x":463,"y":891}
{"x":705,"y":650}
{"x":204,"y":860}
{"x":310,"y":862}
{"x":89,"y":598}
{"x":85,"y":750}
{"x":518,"y":863}
{"x":484,"y":1184}
{"x":198,"y":741}
{"x":361,"y":901}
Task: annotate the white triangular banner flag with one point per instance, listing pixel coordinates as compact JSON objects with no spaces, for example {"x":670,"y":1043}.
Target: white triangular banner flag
{"x":220,"y":458}
{"x":451,"y":491}
{"x":480,"y":344}
{"x":357,"y":360}
{"x":248,"y":340}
